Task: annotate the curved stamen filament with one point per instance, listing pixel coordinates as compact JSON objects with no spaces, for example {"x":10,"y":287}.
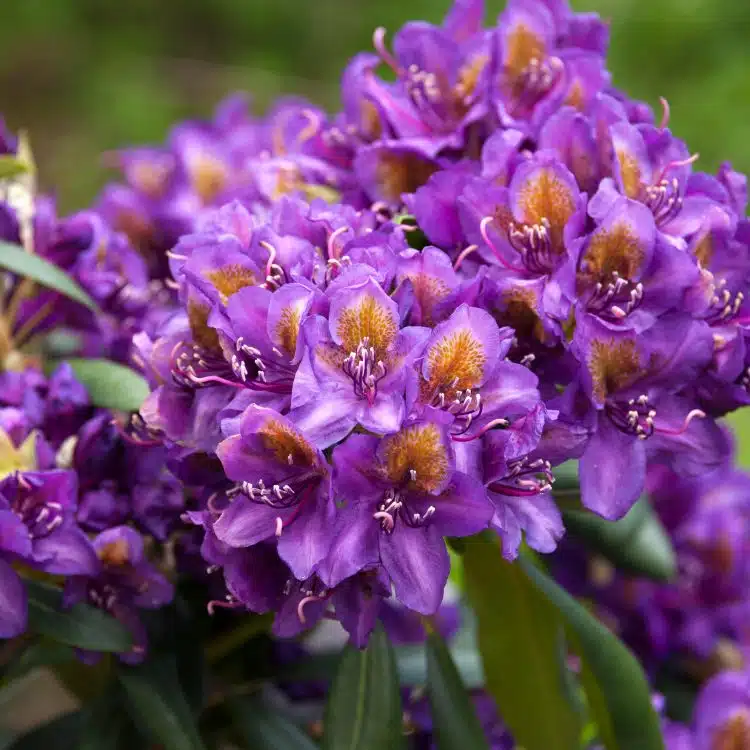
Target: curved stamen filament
{"x":486,"y":221}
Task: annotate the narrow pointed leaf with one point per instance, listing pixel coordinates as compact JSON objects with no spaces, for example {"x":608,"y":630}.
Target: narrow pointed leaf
{"x":456,"y":724}
{"x":157,"y":704}
{"x":519,"y":634}
{"x":635,"y":544}
{"x":617,"y":690}
{"x":16,"y":259}
{"x":80,"y":626}
{"x":61,"y":733}
{"x":364,"y":705}
{"x":111,"y":385}
{"x":262,"y":728}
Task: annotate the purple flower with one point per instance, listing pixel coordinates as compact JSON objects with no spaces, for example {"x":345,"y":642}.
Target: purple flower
{"x":400,"y":495}
{"x":355,"y":366}
{"x":284,"y":490}
{"x":722,"y":712}
{"x":123,"y":582}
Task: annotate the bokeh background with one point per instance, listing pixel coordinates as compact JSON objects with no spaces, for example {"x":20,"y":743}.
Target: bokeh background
{"x":87,"y":76}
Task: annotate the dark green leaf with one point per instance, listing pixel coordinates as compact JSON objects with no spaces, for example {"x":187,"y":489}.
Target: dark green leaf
{"x":454,"y":718}
{"x":30,"y":266}
{"x":111,"y":385}
{"x":11,"y":166}
{"x":364,"y":705}
{"x":81,"y":626}
{"x":635,"y":544}
{"x":61,"y":733}
{"x":38,"y":653}
{"x":519,"y":635}
{"x":617,"y":690}
{"x":157,"y":703}
{"x":263,"y":728}
{"x":105,"y":726}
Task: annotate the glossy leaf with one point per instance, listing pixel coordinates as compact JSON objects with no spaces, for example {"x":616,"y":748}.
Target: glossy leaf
{"x":111,"y":385}
{"x":262,"y":728}
{"x":455,"y":721}
{"x":635,"y":544}
{"x":364,"y":704}
{"x":519,"y":634}
{"x":157,"y":703}
{"x":16,"y":259}
{"x":618,"y":693}
{"x":80,"y":626}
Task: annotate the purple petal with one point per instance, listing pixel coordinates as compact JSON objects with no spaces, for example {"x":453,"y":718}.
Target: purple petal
{"x":12,"y":602}
{"x":417,"y":561}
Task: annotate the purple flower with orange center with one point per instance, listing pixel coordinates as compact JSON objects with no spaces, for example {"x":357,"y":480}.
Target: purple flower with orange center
{"x":625,"y":375}
{"x":123,"y":582}
{"x":721,"y":718}
{"x":356,"y":365}
{"x":283,"y":490}
{"x":400,"y":495}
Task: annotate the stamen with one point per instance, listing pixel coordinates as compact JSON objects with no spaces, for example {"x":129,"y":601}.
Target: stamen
{"x":694,"y":414}
{"x":378,"y":42}
{"x":665,"y":113}
{"x":490,"y":426}
{"x":332,"y":250}
{"x":271,"y":256}
{"x":303,"y":603}
{"x":313,"y":126}
{"x":465,"y":253}
{"x":486,"y":221}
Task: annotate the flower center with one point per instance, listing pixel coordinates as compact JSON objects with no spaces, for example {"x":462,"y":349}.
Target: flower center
{"x":664,"y":200}
{"x":365,"y":370}
{"x":40,"y":518}
{"x":636,"y":417}
{"x":466,"y":406}
{"x":525,"y":478}
{"x":615,"y":299}
{"x":533,"y":242}
{"x":531,"y":85}
{"x":394,"y":506}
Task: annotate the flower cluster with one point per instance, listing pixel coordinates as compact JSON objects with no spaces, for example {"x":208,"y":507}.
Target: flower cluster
{"x":77,"y":486}
{"x":405,"y":314}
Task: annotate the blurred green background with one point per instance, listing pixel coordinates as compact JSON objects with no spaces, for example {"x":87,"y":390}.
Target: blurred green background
{"x":85,"y":76}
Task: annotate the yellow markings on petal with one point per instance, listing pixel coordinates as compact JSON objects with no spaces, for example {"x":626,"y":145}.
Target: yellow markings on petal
{"x":428,"y":291}
{"x":150,"y":178}
{"x":208,"y":176}
{"x":614,"y":250}
{"x":367,"y":319}
{"x":228,"y":280}
{"x":520,"y":313}
{"x":371,"y":126}
{"x":704,"y":250}
{"x":468,"y":79}
{"x":576,"y":96}
{"x":630,"y":174}
{"x":205,"y":336}
{"x":613,"y":365}
{"x":545,"y":196}
{"x":285,"y":442}
{"x":455,"y":362}
{"x":287,"y":329}
{"x":522,"y":46}
{"x":14,"y":459}
{"x":418,"y":449}
{"x":115,"y":554}
{"x":401,"y":173}
{"x":735,"y":734}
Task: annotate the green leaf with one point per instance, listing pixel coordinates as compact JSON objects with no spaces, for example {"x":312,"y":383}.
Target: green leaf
{"x":635,"y":544}
{"x":105,"y":726}
{"x":80,"y":626}
{"x":455,"y":720}
{"x":519,"y":634}
{"x":111,"y":385}
{"x":16,"y":259}
{"x":617,"y":690}
{"x":262,"y":728}
{"x":61,"y":733}
{"x":157,"y":703}
{"x":11,"y":166}
{"x":364,"y":704}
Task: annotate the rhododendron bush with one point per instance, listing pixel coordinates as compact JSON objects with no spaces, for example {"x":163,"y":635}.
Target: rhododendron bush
{"x":395,"y":427}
